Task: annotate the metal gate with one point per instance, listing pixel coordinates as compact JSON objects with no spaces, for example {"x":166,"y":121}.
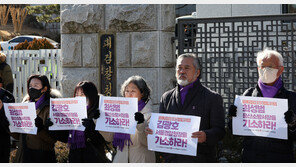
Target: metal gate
{"x":227,"y":48}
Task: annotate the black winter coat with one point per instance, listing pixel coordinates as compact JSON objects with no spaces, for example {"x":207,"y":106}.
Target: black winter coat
{"x":6,"y":97}
{"x":263,"y":149}
{"x":94,"y":152}
{"x":199,"y":101}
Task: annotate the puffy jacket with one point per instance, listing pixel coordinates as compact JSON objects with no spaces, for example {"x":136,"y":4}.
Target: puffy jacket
{"x":263,"y":149}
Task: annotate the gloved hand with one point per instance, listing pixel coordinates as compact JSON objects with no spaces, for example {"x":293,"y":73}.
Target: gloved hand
{"x":39,"y":123}
{"x":232,"y":111}
{"x":48,"y":123}
{"x":139,"y":117}
{"x":97,"y":114}
{"x":290,"y":117}
{"x":88,"y":124}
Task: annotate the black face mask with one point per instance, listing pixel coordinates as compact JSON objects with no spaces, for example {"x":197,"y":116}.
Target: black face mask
{"x":34,"y":93}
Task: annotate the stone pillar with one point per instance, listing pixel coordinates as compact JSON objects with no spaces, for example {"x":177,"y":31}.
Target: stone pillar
{"x":143,"y":44}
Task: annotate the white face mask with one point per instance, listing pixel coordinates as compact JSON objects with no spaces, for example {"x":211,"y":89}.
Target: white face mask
{"x":268,"y":75}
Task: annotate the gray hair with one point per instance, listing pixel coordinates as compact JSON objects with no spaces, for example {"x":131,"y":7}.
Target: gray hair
{"x":140,"y":83}
{"x":267,"y":53}
{"x":196,"y":62}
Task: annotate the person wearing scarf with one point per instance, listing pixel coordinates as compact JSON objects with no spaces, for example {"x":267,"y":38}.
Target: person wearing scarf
{"x":134,"y":148}
{"x":270,"y":85}
{"x":87,"y":146}
{"x":38,"y":148}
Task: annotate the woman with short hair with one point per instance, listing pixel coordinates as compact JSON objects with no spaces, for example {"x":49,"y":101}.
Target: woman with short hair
{"x":134,"y":148}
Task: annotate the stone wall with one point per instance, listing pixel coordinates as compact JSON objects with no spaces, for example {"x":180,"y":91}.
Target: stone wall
{"x":143,"y":44}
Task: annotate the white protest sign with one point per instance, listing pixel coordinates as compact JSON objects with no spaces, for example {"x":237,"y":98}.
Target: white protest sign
{"x":67,"y":113}
{"x":172,"y":133}
{"x":117,"y":114}
{"x":21,"y":117}
{"x":260,"y":116}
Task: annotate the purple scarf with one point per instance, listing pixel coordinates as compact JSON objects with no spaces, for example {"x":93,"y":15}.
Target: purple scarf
{"x":119,"y":139}
{"x":270,"y":91}
{"x":184,"y":90}
{"x":76,"y":139}
{"x":39,"y":102}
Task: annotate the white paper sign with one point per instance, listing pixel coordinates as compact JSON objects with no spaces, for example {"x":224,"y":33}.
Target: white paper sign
{"x":117,"y":114}
{"x":172,"y":133}
{"x":67,"y":113}
{"x":260,"y":116}
{"x":21,"y":117}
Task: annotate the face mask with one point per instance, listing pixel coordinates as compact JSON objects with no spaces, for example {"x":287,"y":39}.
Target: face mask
{"x":268,"y":75}
{"x":34,"y":93}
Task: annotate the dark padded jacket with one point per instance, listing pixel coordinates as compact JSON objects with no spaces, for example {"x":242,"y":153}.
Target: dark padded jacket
{"x":6,"y":97}
{"x":199,"y":101}
{"x":263,"y":149}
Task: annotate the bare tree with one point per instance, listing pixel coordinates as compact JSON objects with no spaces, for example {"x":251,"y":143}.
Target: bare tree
{"x":4,"y":12}
{"x":18,"y":16}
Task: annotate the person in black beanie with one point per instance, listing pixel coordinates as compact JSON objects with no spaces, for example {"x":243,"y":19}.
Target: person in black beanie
{"x":5,"y":97}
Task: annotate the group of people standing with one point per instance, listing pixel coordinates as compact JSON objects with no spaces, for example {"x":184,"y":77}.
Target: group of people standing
{"x":189,"y":97}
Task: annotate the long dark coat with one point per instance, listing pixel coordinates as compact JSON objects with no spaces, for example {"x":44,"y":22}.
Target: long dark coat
{"x":199,"y":101}
{"x":263,"y":149}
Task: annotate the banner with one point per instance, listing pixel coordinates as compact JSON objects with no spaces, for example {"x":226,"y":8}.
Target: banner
{"x":21,"y":117}
{"x":172,"y":133}
{"x":117,"y":114}
{"x":67,"y":113}
{"x":260,"y":116}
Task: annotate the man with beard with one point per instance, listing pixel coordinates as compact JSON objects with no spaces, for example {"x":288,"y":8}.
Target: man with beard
{"x":190,"y":97}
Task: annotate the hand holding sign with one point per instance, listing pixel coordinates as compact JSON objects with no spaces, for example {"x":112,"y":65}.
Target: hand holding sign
{"x":201,"y":135}
{"x":139,"y":117}
{"x":173,"y":133}
{"x":88,"y":124}
{"x":39,"y":123}
{"x":232,"y":111}
{"x":260,"y":116}
{"x":21,"y":117}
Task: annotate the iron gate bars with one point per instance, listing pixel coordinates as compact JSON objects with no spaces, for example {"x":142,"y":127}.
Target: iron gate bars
{"x":227,"y":48}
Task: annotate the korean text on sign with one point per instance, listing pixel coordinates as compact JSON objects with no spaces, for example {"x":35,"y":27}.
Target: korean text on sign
{"x":67,"y":113}
{"x":21,"y":117}
{"x":117,"y":114}
{"x":258,"y":116}
{"x":172,"y":133}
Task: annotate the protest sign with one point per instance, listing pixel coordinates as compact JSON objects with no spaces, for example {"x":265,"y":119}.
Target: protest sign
{"x":67,"y":113}
{"x":258,"y":116}
{"x":117,"y":114}
{"x":172,"y":133}
{"x":21,"y":117}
